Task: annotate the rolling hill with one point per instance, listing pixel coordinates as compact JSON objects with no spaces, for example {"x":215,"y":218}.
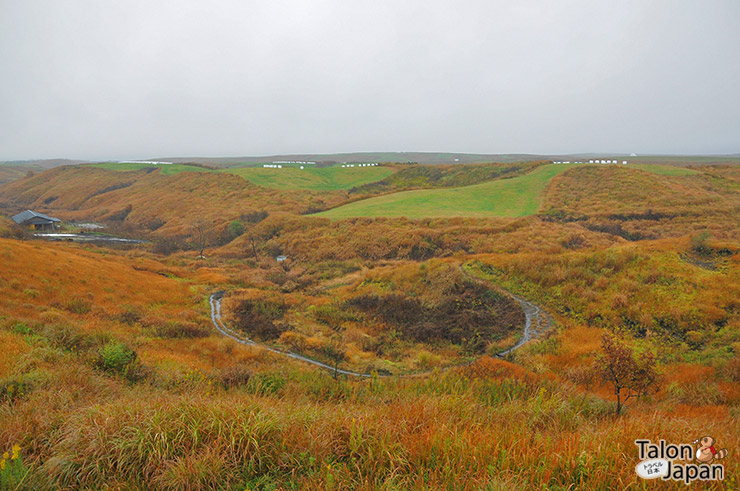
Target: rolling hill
{"x":164,"y":169}
{"x":315,"y":178}
{"x":518,"y":196}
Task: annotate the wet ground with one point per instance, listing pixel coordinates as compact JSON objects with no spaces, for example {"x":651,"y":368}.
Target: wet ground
{"x":87,"y":238}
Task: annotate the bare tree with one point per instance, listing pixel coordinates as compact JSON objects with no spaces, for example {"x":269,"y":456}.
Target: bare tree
{"x":254,"y":245}
{"x":333,"y":351}
{"x":201,"y":230}
{"x":629,"y":374}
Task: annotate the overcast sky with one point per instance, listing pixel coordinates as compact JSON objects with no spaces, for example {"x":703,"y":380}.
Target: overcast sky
{"x":102,"y":79}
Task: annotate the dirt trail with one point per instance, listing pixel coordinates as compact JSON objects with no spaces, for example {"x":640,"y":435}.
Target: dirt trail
{"x":215,"y":301}
{"x":537,"y":321}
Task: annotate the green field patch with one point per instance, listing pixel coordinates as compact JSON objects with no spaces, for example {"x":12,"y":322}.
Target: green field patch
{"x":314,"y":178}
{"x":665,"y":170}
{"x":165,"y":169}
{"x":517,"y":196}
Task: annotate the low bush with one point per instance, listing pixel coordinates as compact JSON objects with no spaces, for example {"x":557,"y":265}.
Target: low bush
{"x":234,"y":376}
{"x":116,"y":357}
{"x":129,"y":315}
{"x":67,"y":337}
{"x":257,"y":317}
{"x":78,"y":306}
{"x":168,"y":245}
{"x":21,"y":328}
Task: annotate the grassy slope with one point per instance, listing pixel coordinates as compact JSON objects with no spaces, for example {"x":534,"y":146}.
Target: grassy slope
{"x":665,"y":170}
{"x":518,"y":196}
{"x":494,"y":425}
{"x":89,"y":193}
{"x":166,"y":169}
{"x":9,"y":172}
{"x":317,"y":179}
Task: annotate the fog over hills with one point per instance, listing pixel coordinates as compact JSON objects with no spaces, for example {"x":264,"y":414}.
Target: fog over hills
{"x":428,"y":158}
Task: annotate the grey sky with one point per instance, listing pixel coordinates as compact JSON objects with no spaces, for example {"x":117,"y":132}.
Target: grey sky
{"x":102,"y":79}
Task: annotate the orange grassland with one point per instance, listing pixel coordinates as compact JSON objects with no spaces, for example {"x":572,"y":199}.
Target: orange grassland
{"x":112,"y":376}
{"x":183,"y":423}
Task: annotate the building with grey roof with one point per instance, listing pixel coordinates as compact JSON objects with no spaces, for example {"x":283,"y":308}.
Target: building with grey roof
{"x":38,"y":221}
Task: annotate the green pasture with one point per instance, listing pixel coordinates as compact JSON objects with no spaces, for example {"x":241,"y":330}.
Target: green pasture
{"x":314,"y":178}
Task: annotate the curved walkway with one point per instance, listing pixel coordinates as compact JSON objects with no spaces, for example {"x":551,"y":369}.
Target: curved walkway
{"x":537,"y":321}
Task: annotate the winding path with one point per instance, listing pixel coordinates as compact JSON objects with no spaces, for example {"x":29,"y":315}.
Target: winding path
{"x":215,"y":301}
{"x":537,"y":321}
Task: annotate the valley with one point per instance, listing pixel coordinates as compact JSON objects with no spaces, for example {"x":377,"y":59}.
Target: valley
{"x":395,"y":327}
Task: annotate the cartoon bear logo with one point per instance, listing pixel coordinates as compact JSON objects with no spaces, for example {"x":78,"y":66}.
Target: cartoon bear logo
{"x":706,"y":452}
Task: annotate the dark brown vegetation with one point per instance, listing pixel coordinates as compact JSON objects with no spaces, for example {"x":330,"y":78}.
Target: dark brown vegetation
{"x":468,"y":314}
{"x":258,"y":318}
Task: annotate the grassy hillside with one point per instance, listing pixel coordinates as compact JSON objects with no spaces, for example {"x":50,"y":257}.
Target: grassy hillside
{"x":111,"y":375}
{"x":169,"y":204}
{"x":164,"y":169}
{"x":105,"y":384}
{"x":313,"y":178}
{"x":665,"y":170}
{"x":639,"y":205}
{"x":415,"y":176}
{"x":10,"y":172}
{"x":518,"y":196}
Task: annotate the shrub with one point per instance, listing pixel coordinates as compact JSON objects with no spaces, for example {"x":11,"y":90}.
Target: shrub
{"x":573,"y":242}
{"x":155,"y":223}
{"x":130,"y":315}
{"x":12,"y":232}
{"x":167,"y":245}
{"x":20,"y":328}
{"x":257,"y":317}
{"x":699,"y":244}
{"x":78,"y":306}
{"x":31,"y":292}
{"x":116,"y":357}
{"x":234,"y":376}
{"x":236,"y":228}
{"x":67,"y":337}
